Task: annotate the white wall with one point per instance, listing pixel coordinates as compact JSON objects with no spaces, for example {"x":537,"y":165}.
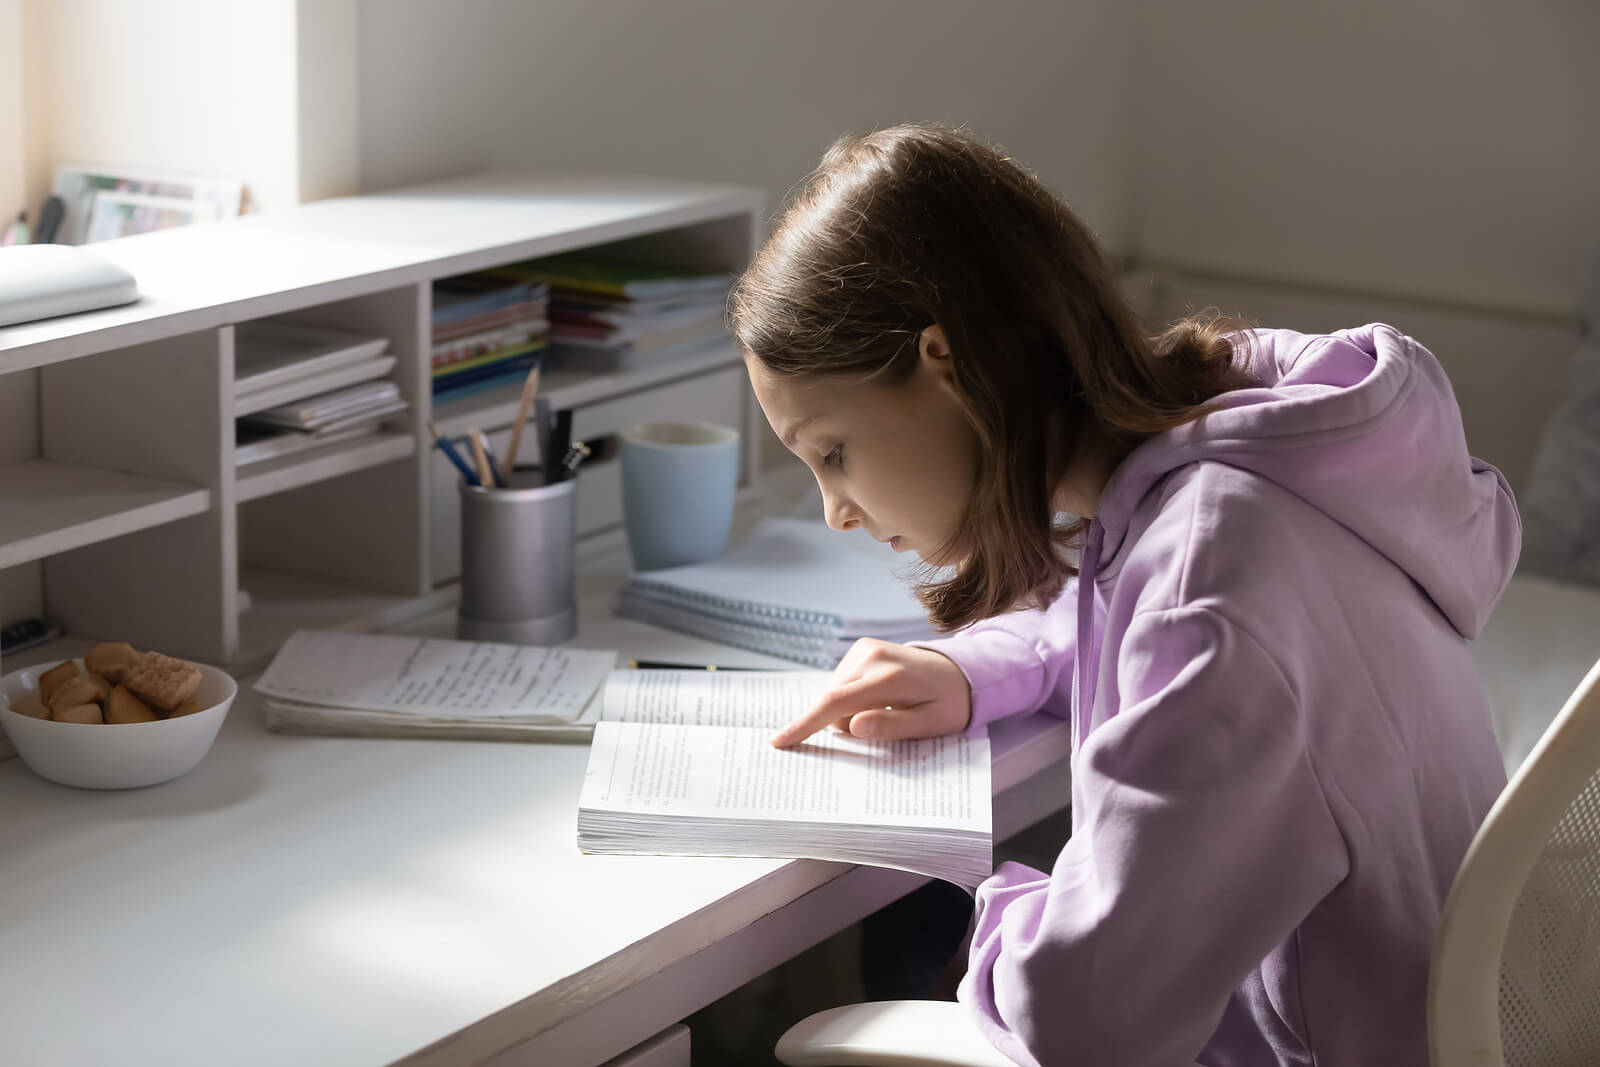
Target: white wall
{"x":187,"y":85}
{"x":743,"y":92}
{"x":1440,"y":148}
{"x":261,"y":90}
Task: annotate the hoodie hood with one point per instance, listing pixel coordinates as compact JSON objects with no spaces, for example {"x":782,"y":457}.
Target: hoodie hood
{"x":1362,"y":425}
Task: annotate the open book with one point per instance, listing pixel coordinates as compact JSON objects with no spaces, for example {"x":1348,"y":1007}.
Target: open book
{"x":682,"y":764}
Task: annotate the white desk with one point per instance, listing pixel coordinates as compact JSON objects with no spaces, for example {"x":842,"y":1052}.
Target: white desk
{"x":349,"y":902}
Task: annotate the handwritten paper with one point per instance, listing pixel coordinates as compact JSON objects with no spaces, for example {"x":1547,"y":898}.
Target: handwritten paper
{"x":435,"y":678}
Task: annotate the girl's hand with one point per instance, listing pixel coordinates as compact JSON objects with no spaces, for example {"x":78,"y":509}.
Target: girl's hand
{"x":890,"y":692}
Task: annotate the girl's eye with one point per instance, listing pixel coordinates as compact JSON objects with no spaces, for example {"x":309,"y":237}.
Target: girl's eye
{"x":834,"y":457}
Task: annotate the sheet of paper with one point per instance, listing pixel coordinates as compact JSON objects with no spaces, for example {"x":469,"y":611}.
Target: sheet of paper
{"x":767,"y":699}
{"x":722,"y":771}
{"x":426,"y":676}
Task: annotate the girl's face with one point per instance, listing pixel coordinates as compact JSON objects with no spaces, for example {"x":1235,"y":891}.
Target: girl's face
{"x":898,"y":461}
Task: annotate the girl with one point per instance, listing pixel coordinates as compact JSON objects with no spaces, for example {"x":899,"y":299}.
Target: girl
{"x":1281,"y":749}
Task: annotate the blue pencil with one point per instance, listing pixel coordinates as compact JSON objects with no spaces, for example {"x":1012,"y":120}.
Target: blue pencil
{"x":450,"y":453}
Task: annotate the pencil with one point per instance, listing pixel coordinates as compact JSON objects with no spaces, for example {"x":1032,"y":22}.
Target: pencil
{"x":500,"y":478}
{"x":530,"y":388}
{"x":444,"y":445}
{"x":485,"y":472}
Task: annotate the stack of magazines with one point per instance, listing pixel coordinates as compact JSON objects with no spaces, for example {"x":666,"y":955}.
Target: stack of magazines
{"x":298,"y":386}
{"x":794,"y":589}
{"x":488,"y":328}
{"x":618,"y":315}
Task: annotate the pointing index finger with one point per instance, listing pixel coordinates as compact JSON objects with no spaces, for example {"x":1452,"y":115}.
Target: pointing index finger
{"x":837,"y":703}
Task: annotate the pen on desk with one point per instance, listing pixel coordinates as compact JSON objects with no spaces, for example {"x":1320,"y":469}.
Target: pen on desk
{"x":664,"y":665}
{"x":485,"y":472}
{"x":530,"y":389}
{"x":444,"y":445}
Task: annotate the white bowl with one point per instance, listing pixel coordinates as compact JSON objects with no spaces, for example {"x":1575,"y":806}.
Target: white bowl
{"x":115,"y":755}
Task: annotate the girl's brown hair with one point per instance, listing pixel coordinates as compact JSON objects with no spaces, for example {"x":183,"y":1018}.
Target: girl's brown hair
{"x":922,"y":224}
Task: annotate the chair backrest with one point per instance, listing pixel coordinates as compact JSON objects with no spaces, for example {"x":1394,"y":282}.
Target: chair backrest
{"x":1515,"y":978}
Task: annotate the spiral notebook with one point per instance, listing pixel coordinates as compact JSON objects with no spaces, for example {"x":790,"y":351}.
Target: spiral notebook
{"x":794,"y":589}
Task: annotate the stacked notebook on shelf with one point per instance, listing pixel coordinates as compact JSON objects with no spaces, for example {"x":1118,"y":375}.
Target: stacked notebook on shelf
{"x":617,"y":315}
{"x":383,"y":685}
{"x":682,"y":764}
{"x":488,"y":328}
{"x":794,"y":589}
{"x":297,"y":387}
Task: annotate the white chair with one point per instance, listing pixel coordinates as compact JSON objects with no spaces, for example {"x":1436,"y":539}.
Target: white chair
{"x":1515,"y":978}
{"x":889,"y":1033}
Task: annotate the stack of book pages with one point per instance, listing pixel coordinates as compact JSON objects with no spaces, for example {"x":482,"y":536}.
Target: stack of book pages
{"x":386,"y":685}
{"x":297,"y":387}
{"x":682,"y":764}
{"x":793,"y":589}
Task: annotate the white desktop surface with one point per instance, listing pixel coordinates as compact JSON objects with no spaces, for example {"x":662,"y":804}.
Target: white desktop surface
{"x":353,"y":901}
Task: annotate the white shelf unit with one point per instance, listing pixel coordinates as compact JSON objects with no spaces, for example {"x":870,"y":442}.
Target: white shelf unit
{"x":130,"y":505}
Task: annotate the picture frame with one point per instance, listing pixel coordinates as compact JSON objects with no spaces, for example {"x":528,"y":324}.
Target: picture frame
{"x":114,"y":213}
{"x":136,"y":200}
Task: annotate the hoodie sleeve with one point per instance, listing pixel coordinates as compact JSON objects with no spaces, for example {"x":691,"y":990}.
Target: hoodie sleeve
{"x":1020,"y":662}
{"x":1203,"y":840}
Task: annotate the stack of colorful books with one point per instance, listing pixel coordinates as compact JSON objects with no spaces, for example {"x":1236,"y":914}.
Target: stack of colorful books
{"x":488,"y":328}
{"x":616,"y":315}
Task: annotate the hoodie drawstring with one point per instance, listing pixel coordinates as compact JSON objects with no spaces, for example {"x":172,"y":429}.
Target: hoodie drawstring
{"x":1088,"y":645}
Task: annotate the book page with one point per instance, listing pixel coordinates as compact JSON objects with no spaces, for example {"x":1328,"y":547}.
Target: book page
{"x":723,"y":772}
{"x":765,"y":699}
{"x":427,"y":676}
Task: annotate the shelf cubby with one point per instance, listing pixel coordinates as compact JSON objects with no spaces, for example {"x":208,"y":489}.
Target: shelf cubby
{"x":151,"y":412}
{"x":318,"y":464}
{"x":53,"y":507}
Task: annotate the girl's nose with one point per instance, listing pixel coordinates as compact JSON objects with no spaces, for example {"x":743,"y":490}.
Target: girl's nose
{"x":840,"y":513}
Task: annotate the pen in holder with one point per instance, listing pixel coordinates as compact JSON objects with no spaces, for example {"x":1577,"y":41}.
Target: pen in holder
{"x":518,"y":576}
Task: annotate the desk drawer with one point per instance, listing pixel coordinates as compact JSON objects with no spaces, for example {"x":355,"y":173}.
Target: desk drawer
{"x":715,"y":397}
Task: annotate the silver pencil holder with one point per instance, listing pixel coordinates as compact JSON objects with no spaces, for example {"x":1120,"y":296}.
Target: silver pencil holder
{"x":518,"y":578}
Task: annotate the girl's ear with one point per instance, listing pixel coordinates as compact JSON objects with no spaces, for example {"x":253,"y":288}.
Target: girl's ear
{"x":933,"y":350}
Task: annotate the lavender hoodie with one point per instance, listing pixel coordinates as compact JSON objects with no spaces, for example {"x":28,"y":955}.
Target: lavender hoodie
{"x":1281,"y":748}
